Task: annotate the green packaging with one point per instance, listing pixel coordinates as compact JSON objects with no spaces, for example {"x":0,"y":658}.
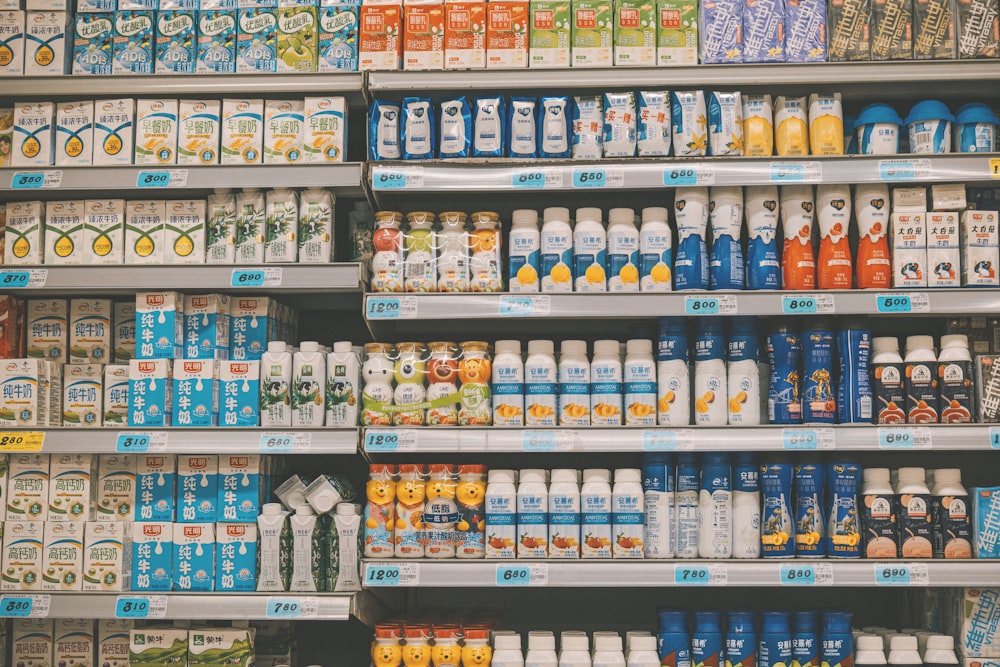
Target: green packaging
{"x":593,"y":33}
{"x":676,"y":32}
{"x":549,"y":38}
{"x":635,"y":33}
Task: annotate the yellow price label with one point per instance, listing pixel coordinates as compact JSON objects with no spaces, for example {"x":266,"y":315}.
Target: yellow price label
{"x":21,"y":441}
{"x":995,"y":167}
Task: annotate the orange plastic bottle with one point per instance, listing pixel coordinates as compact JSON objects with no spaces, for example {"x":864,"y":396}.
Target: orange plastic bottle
{"x":835,"y":266}
{"x":798,"y":264}
{"x":871,"y":203}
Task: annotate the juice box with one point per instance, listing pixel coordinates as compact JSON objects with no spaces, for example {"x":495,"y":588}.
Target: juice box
{"x":62,"y":556}
{"x":75,"y":133}
{"x":73,"y":643}
{"x":325,"y":130}
{"x":219,"y":647}
{"x":124,"y":343}
{"x":892,"y":30}
{"x":152,"y":556}
{"x":155,"y":479}
{"x":677,"y":32}
{"x":239,"y":393}
{"x":114,"y":131}
{"x":980,"y":249}
{"x":297,"y":37}
{"x":635,"y":33}
{"x":764,"y":31}
{"x":12,"y":36}
{"x":198,"y":488}
{"x":34,"y":144}
{"x":116,"y":487}
{"x":423,"y":37}
{"x":112,"y":641}
{"x":48,"y":324}
{"x":805,"y":27}
{"x":239,"y":488}
{"x":83,"y":402}
{"x":158,"y":647}
{"x":549,"y":33}
{"x":283,"y":131}
{"x":593,"y":33}
{"x":257,"y":41}
{"x":216,"y":43}
{"x":69,"y":480}
{"x":156,"y":131}
{"x":242,"y":131}
{"x":89,"y":331}
{"x":115,"y":395}
{"x":46,"y":52}
{"x":28,"y":487}
{"x":246,"y":342}
{"x":104,"y":548}
{"x":144,"y":232}
{"x":160,"y":325}
{"x":176,"y":42}
{"x":975,"y":18}
{"x":943,"y":250}
{"x":933,"y":30}
{"x":104,"y":232}
{"x":22,"y":556}
{"x":93,"y":44}
{"x":338,"y":37}
{"x":23,"y":401}
{"x":150,"y":393}
{"x":32,"y":641}
{"x":380,"y":46}
{"x":236,"y":557}
{"x":507,"y":34}
{"x":133,"y":42}
{"x":25,"y":232}
{"x":849,"y":28}
{"x":194,"y":557}
{"x":909,"y":250}
{"x":196,"y":393}
{"x":720,"y":31}
{"x":64,"y":223}
{"x":199,"y":132}
{"x":184,"y":231}
{"x":206,"y":326}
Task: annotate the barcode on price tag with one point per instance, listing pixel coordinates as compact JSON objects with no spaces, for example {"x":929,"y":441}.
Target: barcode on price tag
{"x":383,"y":440}
{"x":269,"y":277}
{"x":701,"y":575}
{"x":402,"y":574}
{"x":522,"y":575}
{"x":25,"y":606}
{"x":285,"y":443}
{"x":129,"y":606}
{"x":292,"y":607}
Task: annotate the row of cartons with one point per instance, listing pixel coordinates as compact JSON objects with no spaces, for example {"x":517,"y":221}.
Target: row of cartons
{"x":74,"y":331}
{"x":944,"y":249}
{"x":65,"y":556}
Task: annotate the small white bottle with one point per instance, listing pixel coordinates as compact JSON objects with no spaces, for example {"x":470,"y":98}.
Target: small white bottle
{"x":903,"y":652}
{"x":525,"y":252}
{"x":501,"y":514}
{"x":590,"y":245}
{"x":710,"y":393}
{"x":914,"y":514}
{"x":508,"y":384}
{"x":639,"y":374}
{"x":347,"y":522}
{"x":532,"y":515}
{"x":595,"y":514}
{"x":606,"y":384}
{"x":743,"y":373}
{"x":868,"y":650}
{"x":673,"y":379}
{"x":623,"y":251}
{"x":627,"y":511}
{"x":642,"y":652}
{"x":921,"y":380}
{"x":309,"y":385}
{"x":541,"y":650}
{"x":608,"y":651}
{"x":656,"y":254}
{"x":950,"y":513}
{"x":630,"y":637}
{"x":940,"y":651}
{"x":343,"y":369}
{"x":557,"y":250}
{"x":574,"y":650}
{"x":276,"y":385}
{"x":540,"y":375}
{"x":658,"y":478}
{"x":564,"y":514}
{"x":507,"y":650}
{"x":746,"y":506}
{"x":574,"y":384}
{"x":274,"y":531}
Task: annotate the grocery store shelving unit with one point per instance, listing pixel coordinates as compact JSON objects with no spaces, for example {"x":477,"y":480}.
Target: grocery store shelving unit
{"x":200,"y":440}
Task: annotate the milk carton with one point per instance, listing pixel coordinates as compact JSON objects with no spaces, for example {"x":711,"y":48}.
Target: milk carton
{"x":281,"y":215}
{"x":257,"y":41}
{"x":980,"y":249}
{"x":144,"y":234}
{"x":242,"y":131}
{"x":222,"y":646}
{"x":158,"y":647}
{"x":676,"y":32}
{"x":239,"y":488}
{"x":62,"y":556}
{"x":64,"y":225}
{"x":423,"y":37}
{"x":805,"y":27}
{"x":197,"y":488}
{"x":133,"y":42}
{"x":199,"y":132}
{"x":196,"y":393}
{"x":24,"y":233}
{"x":283,"y":131}
{"x":248,"y":329}
{"x":297,"y":36}
{"x":239,"y":393}
{"x":216,"y":43}
{"x":114,"y":132}
{"x":236,"y":557}
{"x":93,"y":44}
{"x":934,"y":29}
{"x":206,"y":326}
{"x":152,"y":556}
{"x":22,"y":556}
{"x":338,"y":37}
{"x":12,"y":36}
{"x":549,"y":36}
{"x":112,"y":641}
{"x":943,"y":250}
{"x":184,"y":231}
{"x":21,"y":395}
{"x":83,"y":396}
{"x":155,"y":478}
{"x":4,"y":470}
{"x":507,"y":34}
{"x":221,"y":228}
{"x":104,"y":232}
{"x":892,"y":30}
{"x":194,"y":557}
{"x":849,"y":30}
{"x":105,"y":546}
{"x":156,"y":131}
{"x":159,"y":325}
{"x":124,"y":323}
{"x":635,"y":33}
{"x":465,"y":34}
{"x":150,"y":392}
{"x":116,"y":395}
{"x":89,"y":331}
{"x":720,"y":31}
{"x":73,"y":643}
{"x":325,"y":130}
{"x":46,"y":52}
{"x":176,"y":42}
{"x":380,"y":45}
{"x":48,"y":321}
{"x":34,"y":144}
{"x":53,"y":393}
{"x":975,"y":39}
{"x":32,"y":641}
{"x":75,"y":133}
{"x":593,"y":33}
{"x":69,"y":483}
{"x":909,"y":250}
{"x":28,"y":488}
{"x":764,"y":31}
{"x":251,"y":226}
{"x":116,"y":487}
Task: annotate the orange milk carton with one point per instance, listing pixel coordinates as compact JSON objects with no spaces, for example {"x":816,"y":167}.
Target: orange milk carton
{"x":506,"y":34}
{"x":379,"y":43}
{"x":464,"y":34}
{"x":423,"y":37}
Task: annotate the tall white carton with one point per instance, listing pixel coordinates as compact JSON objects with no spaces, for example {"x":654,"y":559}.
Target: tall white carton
{"x":909,"y":249}
{"x":25,"y":233}
{"x":194,"y":557}
{"x":156,"y":131}
{"x":196,"y":393}
{"x":242,"y":131}
{"x":83,"y":395}
{"x":22,"y":402}
{"x":115,"y":488}
{"x":32,"y":642}
{"x":90,"y":331}
{"x":114,"y":131}
{"x":199,"y":132}
{"x":104,"y":232}
{"x":197,"y":488}
{"x":283,"y":131}
{"x":159,"y":325}
{"x":206,"y":326}
{"x":48,"y":329}
{"x":184,"y":231}
{"x":69,"y":485}
{"x":251,"y":226}
{"x":4,"y":471}
{"x":116,"y":396}
{"x":144,"y":231}
{"x":325,"y":130}
{"x":28,"y":488}
{"x":46,"y":53}
{"x":104,"y":560}
{"x":980,"y":249}
{"x":12,"y":36}
{"x":73,"y":644}
{"x":34,"y":145}
{"x":55,"y":393}
{"x":112,"y":641}
{"x":156,"y":481}
{"x":152,"y":556}
{"x":62,"y":556}
{"x":124,"y":342}
{"x":236,"y":557}
{"x":943,"y":250}
{"x":22,"y":556}
{"x":239,"y":488}
{"x":64,"y":232}
{"x":239,"y":394}
{"x":75,"y":133}
{"x":220,"y":244}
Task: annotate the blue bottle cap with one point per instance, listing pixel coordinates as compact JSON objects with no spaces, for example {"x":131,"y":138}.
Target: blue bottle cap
{"x":672,"y":325}
{"x":740,"y":621}
{"x":716,"y":458}
{"x":775,"y":621}
{"x":743,"y":458}
{"x":929,"y":110}
{"x":707,"y":620}
{"x":976,"y":113}
{"x":877,"y":113}
{"x":836,"y":621}
{"x":673,"y":620}
{"x":656,"y":459}
{"x":687,"y":459}
{"x":805,"y":620}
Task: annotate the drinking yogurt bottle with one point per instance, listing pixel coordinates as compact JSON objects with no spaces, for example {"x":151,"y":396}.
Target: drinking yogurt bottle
{"x":798,"y":212}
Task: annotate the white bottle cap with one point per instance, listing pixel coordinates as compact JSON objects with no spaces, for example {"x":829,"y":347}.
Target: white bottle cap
{"x":524,"y":217}
{"x":870,"y":643}
{"x":531,"y":475}
{"x":948,"y":476}
{"x":639,"y":346}
{"x":597,"y":475}
{"x":546,"y":347}
{"x":308,"y":346}
{"x":919,"y":343}
{"x":575,"y":641}
{"x":272,"y":509}
{"x":555,"y":213}
{"x":348,"y":509}
{"x":911,"y":476}
{"x":342,"y":346}
{"x":508,"y":347}
{"x":324,"y":499}
{"x":960,"y":341}
{"x":621,"y":215}
{"x":501,"y":477}
{"x":276,"y":346}
{"x":573,"y":347}
{"x":940,"y":643}
{"x":607,"y":348}
{"x":885,"y":344}
{"x":539,"y":640}
{"x":506,"y":641}
{"x":607,"y":643}
{"x":589,"y":213}
{"x":654,"y":214}
{"x":874,"y":475}
{"x":628,"y":475}
{"x":563,"y":475}
{"x":643,"y":643}
{"x":903,"y":642}
{"x":304,"y":510}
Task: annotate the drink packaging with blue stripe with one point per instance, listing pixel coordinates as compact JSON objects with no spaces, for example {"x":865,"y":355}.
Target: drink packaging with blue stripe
{"x":62,"y":556}
{"x":691,"y":215}
{"x":284,"y":127}
{"x":619,"y":124}
{"x":176,"y":42}
{"x":64,"y":242}
{"x":689,"y":123}
{"x":216,"y":42}
{"x":338,"y":36}
{"x":152,"y":556}
{"x":325,"y":130}
{"x":418,"y":135}
{"x":249,"y":328}
{"x":105,"y":546}
{"x":197,"y":488}
{"x":22,"y":556}
{"x":114,"y":131}
{"x":763,"y":265}
{"x":24,"y":231}
{"x":635,"y":33}
{"x":198,"y":131}
{"x":809,"y":525}
{"x":720,"y":30}
{"x":522,"y":121}
{"x":986,"y":529}
{"x":155,"y":481}
{"x":384,"y":119}
{"x":593,"y":33}
{"x":655,"y":251}
{"x":115,"y":396}
{"x":805,"y":27}
{"x":975,"y":39}
{"x":34,"y":135}
{"x":725,"y":123}
{"x":104,"y":233}
{"x":83,"y":396}
{"x":196,"y":393}
{"x":256,"y":42}
{"x":455,"y":128}
{"x":156,"y":131}
{"x":726,"y":270}
{"x":777,"y":534}
{"x":194,"y":557}
{"x":489,"y":127}
{"x":554,"y":139}
{"x":758,"y":126}
{"x":93,"y":44}
{"x":588,"y":128}
{"x":160,"y":325}
{"x":844,"y":528}
{"x":764,"y":31}
{"x":653,"y":123}
{"x":239,"y":393}
{"x":46,"y":52}
{"x":848,"y":28}
{"x":676,"y":32}
{"x":12,"y":42}
{"x":116,"y":491}
{"x":133,"y":42}
{"x":150,"y":392}
{"x":236,"y":557}
{"x":239,"y":488}
{"x":892,"y":30}
{"x":933,"y":29}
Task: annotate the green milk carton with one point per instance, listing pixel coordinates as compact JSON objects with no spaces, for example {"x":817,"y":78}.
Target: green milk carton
{"x":635,"y":33}
{"x":676,"y":32}
{"x":593,"y":33}
{"x":549,"y":35}
{"x":297,"y":39}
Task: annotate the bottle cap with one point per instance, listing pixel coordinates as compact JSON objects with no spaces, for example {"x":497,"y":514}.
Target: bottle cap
{"x":501,"y":477}
{"x":411,"y":469}
{"x":959,"y":341}
{"x":608,"y":643}
{"x":272,"y":509}
{"x":539,"y":640}
{"x":877,"y":475}
{"x":563,"y":475}
{"x":628,"y":475}
{"x":503,"y":641}
{"x":524,"y":217}
{"x":471,"y":469}
{"x":555,"y":213}
{"x":508,"y":347}
{"x":621,"y":215}
{"x":944,"y":476}
{"x":575,"y":642}
{"x":532,"y":475}
{"x":903,"y":643}
{"x":919,"y":343}
{"x":545,"y":347}
{"x":474,"y":634}
{"x":639,"y":346}
{"x":304,"y":510}
{"x":976,"y":113}
{"x":348,"y":509}
{"x":596,"y":475}
{"x":607,"y":348}
{"x":276,"y":346}
{"x":915,"y":475}
{"x":589,"y":213}
{"x":342,"y":346}
{"x":643,"y":643}
{"x":573,"y":347}
{"x":309,"y":346}
{"x":418,"y":632}
{"x":654,"y":214}
{"x":870,"y":643}
{"x":940,"y":643}
{"x":929,"y":110}
{"x":388,"y":631}
{"x":673,"y":620}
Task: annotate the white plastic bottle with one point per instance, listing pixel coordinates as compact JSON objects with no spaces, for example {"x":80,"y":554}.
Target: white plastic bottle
{"x":540,"y":376}
{"x":627,"y":512}
{"x":343,"y":393}
{"x":888,"y":381}
{"x":541,"y":650}
{"x":955,"y":380}
{"x":688,"y":481}
{"x":564,"y":514}
{"x":673,"y":379}
{"x":606,"y":384}
{"x":608,"y":651}
{"x":746,"y":506}
{"x":710,"y":383}
{"x":868,"y":650}
{"x":347,"y":522}
{"x":642,"y":652}
{"x":304,"y":544}
{"x":532,"y":515}
{"x":574,"y":650}
{"x":639,"y":373}
{"x":508,"y":384}
{"x":309,"y":385}
{"x":921,"y":380}
{"x":623,"y":251}
{"x":525,"y":252}
{"x":715,"y":508}
{"x":557,"y":250}
{"x":656,"y":251}
{"x":501,"y":515}
{"x":590,"y":246}
{"x":276,"y":385}
{"x":743,"y":373}
{"x":595,"y":514}
{"x":903,"y":652}
{"x":940,"y":651}
{"x":726,"y":268}
{"x":507,"y":650}
{"x":914,"y":514}
{"x":574,"y":384}
{"x":275,"y":536}
{"x":658,"y":478}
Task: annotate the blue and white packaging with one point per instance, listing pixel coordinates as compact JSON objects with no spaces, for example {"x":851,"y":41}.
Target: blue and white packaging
{"x":489,"y":127}
{"x":196,"y":393}
{"x":239,"y":394}
{"x":194,"y":557}
{"x":977,"y":129}
{"x":216,"y":42}
{"x":197,"y":488}
{"x":764,"y":31}
{"x":249,"y":328}
{"x":725,"y":123}
{"x":553,"y":127}
{"x":619,"y":124}
{"x":338,"y":36}
{"x":653,"y":123}
{"x":176,"y":42}
{"x":206,"y":326}
{"x":417,"y":135}
{"x":688,"y":122}
{"x":588,"y":128}
{"x":156,"y":487}
{"x":152,"y":556}
{"x":720,"y":29}
{"x":522,"y":120}
{"x":159,"y":320}
{"x":150,"y":393}
{"x":383,"y":131}
{"x":257,"y":39}
{"x":986,"y":521}
{"x":93,"y":44}
{"x":239,"y":488}
{"x":133,"y":43}
{"x":805,"y":30}
{"x":455,"y":128}
{"x":236,"y":557}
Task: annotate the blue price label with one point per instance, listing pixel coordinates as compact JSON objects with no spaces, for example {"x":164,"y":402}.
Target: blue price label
{"x":892,"y":575}
{"x":892,"y":303}
{"x":589,"y":178}
{"x":383,"y":308}
{"x":382,"y":575}
{"x":530,"y":179}
{"x":16,"y":607}
{"x":538,"y":441}
{"x":788,"y":173}
{"x":798,"y":575}
{"x":14,"y":279}
{"x":896,"y":438}
{"x":701,"y":305}
{"x":381,"y":441}
{"x":153,"y":179}
{"x":284,"y":607}
{"x":995,"y":437}
{"x":798,"y":305}
{"x":798,"y":439}
{"x":27,"y":180}
{"x":388,"y":179}
{"x":672,"y":177}
{"x":132,"y":608}
{"x":277,"y":443}
{"x":691,"y":575}
{"x":509,"y":575}
{"x":247,"y":278}
{"x":659,"y":441}
{"x":896,"y":170}
{"x":517,"y":306}
{"x":133,"y":443}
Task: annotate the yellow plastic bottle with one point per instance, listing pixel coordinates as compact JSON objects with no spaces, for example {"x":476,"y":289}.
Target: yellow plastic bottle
{"x":417,"y":651}
{"x":791,"y":131}
{"x":477,"y":651}
{"x":386,"y":650}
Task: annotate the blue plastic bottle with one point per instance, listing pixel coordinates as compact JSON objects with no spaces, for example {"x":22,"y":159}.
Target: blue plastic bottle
{"x":810,"y":528}
{"x":775,"y":647}
{"x":818,"y":402}
{"x":843,"y":527}
{"x":741,"y":640}
{"x":706,"y":640}
{"x":838,"y":642}
{"x":673,"y":641}
{"x":784,"y":400}
{"x":777,"y":533}
{"x":854,"y":389}
{"x":805,"y":639}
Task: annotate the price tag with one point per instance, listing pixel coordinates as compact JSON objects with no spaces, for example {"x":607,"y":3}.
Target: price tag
{"x":21,"y":441}
{"x":154,"y":606}
{"x":285,"y":443}
{"x":525,"y":306}
{"x":391,"y":308}
{"x":680,"y":175}
{"x":700,"y":575}
{"x":403,"y":574}
{"x":522,"y":575}
{"x":25,"y":606}
{"x":292,"y":607}
{"x":33,"y":180}
{"x":547,"y":441}
{"x":710,"y":305}
{"x":892,"y":574}
{"x":903,"y":170}
{"x":166,"y":178}
{"x":995,"y":167}
{"x":269,"y":277}
{"x":397,"y":178}
{"x":798,"y":575}
{"x":136,"y":442}
{"x":796,"y":439}
{"x":32,"y":278}
{"x":919,"y":437}
{"x":995,"y":437}
{"x":659,"y":441}
{"x":914,"y":302}
{"x":536,"y":179}
{"x":598,"y":177}
{"x":380,"y":440}
{"x":796,"y":172}
{"x":807,"y":304}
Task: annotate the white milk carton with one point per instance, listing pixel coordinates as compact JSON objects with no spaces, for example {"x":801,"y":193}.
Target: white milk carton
{"x":112,"y":641}
{"x":194,"y":557}
{"x":116,"y":487}
{"x":46,"y":53}
{"x":69,"y":484}
{"x":62,"y":556}
{"x":251,"y":226}
{"x":124,"y":336}
{"x":22,"y":556}
{"x":184,"y":231}
{"x":34,"y":127}
{"x":24,"y":233}
{"x":196,"y":393}
{"x":32,"y":642}
{"x":206,"y":326}
{"x":90,"y":331}
{"x":93,"y":44}
{"x":239,"y":394}
{"x":83,"y":396}
{"x":4,"y":470}
{"x":28,"y":488}
{"x":23,"y":401}
{"x":239,"y":488}
{"x":75,"y":133}
{"x":152,"y":556}
{"x":51,"y":373}
{"x":325,"y":130}
{"x":156,"y":131}
{"x":48,"y":326}
{"x":155,"y":480}
{"x":104,"y":232}
{"x":909,"y":250}
{"x":281,"y":219}
{"x":980,"y":249}
{"x":12,"y":36}
{"x":144,"y":231}
{"x":73,"y":643}
{"x":105,"y":546}
{"x":235,"y":643}
{"x":943,"y":250}
{"x":150,"y":392}
{"x":220,"y":244}
{"x":64,"y":232}
{"x":284,"y":128}
{"x":114,"y":132}
{"x":199,"y":132}
{"x":236,"y":557}
{"x":197,"y":488}
{"x":242,"y":131}
{"x":116,"y":396}
{"x":159,"y":320}
{"x":316,"y":217}
{"x":249,"y":327}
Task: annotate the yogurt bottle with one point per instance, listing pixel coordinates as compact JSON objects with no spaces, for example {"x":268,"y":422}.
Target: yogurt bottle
{"x":976,"y":129}
{"x":658,"y":478}
{"x":869,"y":651}
{"x":590,"y":247}
{"x":595,"y":519}
{"x":673,"y":403}
{"x":574,"y":650}
{"x":710,"y":381}
{"x":656,"y":255}
{"x":726,"y":270}
{"x":691,"y":214}
{"x":508,"y":384}
{"x":877,"y":128}
{"x":715,"y":508}
{"x":623,"y":251}
{"x":574,"y":384}
{"x":540,"y":384}
{"x":686,"y":527}
{"x":763,"y":269}
{"x":741,"y":639}
{"x":606,"y":384}
{"x":951,"y":527}
{"x":627,"y":512}
{"x":507,"y":650}
{"x":452,"y":253}
{"x":746,"y":506}
{"x":564,"y":514}
{"x":640,"y":383}
{"x":501,"y":515}
{"x":673,"y":643}
{"x":556,"y":247}
{"x":929,"y":126}
{"x":532,"y":515}
{"x":525,"y":249}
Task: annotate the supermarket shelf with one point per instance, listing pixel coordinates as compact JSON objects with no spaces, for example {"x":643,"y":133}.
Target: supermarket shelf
{"x":623,"y":574}
{"x":197,"y":440}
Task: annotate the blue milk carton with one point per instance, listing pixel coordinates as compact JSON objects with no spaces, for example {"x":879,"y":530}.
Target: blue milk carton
{"x":133,"y":43}
{"x":197,"y":488}
{"x":236,"y":557}
{"x":93,"y":44}
{"x":206,"y":326}
{"x":152,"y":556}
{"x":194,"y":557}
{"x":249,"y":326}
{"x":338,"y":36}
{"x":216,"y":42}
{"x":986,"y":521}
{"x":720,"y":25}
{"x":156,"y":490}
{"x":257,"y":41}
{"x":159,"y":320}
{"x":239,"y":488}
{"x":196,"y":393}
{"x":176,"y":42}
{"x":805,"y":27}
{"x":239,"y":393}
{"x":764,"y":31}
{"x":150,"y":392}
